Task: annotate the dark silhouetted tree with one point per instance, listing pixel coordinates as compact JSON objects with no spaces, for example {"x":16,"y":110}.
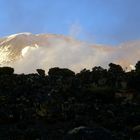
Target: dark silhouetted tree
{"x":41,"y":72}
{"x":99,"y":74}
{"x":115,"y":74}
{"x":84,"y":76}
{"x":61,"y":72}
{"x":6,"y":70}
{"x":137,"y":66}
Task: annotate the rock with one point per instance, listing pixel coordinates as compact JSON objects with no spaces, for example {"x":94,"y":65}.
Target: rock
{"x":85,"y":133}
{"x":136,"y":132}
{"x":136,"y":128}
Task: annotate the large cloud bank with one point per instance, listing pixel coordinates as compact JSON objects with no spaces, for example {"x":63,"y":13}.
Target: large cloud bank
{"x":76,"y":56}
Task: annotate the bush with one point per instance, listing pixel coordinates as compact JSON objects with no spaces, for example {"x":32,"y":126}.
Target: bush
{"x":63,"y":72}
{"x":102,"y":93}
{"x":41,"y":72}
{"x":6,"y":70}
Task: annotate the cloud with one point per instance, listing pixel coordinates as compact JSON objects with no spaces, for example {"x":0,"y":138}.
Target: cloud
{"x":46,"y":51}
{"x":70,"y":54}
{"x":75,"y":29}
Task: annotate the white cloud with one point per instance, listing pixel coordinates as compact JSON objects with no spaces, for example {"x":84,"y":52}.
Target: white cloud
{"x":75,"y":29}
{"x":61,"y":51}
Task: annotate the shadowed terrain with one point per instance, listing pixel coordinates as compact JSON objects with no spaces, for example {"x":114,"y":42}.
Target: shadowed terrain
{"x":97,"y":104}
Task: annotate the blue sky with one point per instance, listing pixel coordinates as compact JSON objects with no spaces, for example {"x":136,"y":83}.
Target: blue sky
{"x":96,"y":21}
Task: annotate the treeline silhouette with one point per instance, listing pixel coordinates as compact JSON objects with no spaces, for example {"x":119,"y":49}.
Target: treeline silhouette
{"x":97,"y":104}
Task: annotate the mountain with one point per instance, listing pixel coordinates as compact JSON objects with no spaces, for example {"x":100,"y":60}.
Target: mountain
{"x":26,"y":52}
{"x":12,"y":47}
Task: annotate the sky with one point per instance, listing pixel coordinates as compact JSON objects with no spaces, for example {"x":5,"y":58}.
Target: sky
{"x":96,"y":21}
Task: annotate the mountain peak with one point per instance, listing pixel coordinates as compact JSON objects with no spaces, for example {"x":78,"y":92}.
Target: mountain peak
{"x":14,"y":35}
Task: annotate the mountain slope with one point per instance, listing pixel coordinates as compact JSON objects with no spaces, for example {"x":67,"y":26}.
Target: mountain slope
{"x":11,"y":47}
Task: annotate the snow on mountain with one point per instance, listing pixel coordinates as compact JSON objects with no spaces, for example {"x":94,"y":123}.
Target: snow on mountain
{"x":12,"y":47}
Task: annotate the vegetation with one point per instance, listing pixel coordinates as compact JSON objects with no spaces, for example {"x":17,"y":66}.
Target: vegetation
{"x":99,"y":104}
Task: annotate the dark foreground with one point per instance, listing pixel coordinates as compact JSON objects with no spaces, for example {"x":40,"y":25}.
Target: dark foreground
{"x":91,"y":105}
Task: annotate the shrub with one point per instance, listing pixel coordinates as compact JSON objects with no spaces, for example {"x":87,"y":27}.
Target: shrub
{"x":102,"y":93}
{"x":63,"y":72}
{"x":6,"y":70}
{"x":41,"y":72}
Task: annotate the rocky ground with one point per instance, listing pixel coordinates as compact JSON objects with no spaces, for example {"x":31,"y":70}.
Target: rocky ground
{"x":90,"y":105}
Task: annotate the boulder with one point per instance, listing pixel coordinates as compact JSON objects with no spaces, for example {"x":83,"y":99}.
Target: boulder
{"x":85,"y":133}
